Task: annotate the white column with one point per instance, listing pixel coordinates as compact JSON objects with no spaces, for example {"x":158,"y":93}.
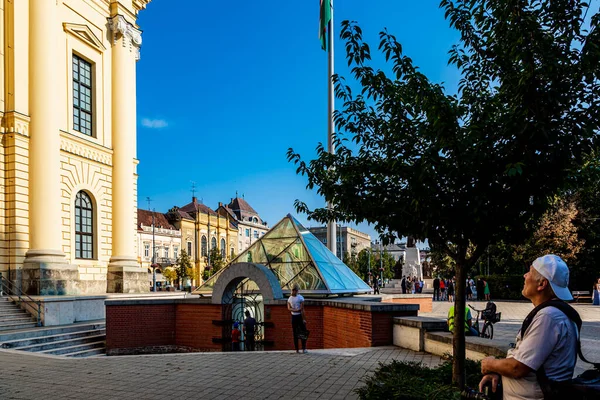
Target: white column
{"x":44,"y":146}
{"x":124,"y":275}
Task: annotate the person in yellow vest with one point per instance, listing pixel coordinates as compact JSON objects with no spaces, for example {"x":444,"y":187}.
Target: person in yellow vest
{"x":469,"y":330}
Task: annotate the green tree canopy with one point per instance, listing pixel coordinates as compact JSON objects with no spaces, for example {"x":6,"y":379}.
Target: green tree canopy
{"x":468,"y":169}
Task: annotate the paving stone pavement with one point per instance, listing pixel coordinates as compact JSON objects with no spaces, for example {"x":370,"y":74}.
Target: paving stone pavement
{"x":320,"y":374}
{"x":513,"y":314}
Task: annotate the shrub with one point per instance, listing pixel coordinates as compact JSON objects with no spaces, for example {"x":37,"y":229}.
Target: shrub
{"x":406,"y":380}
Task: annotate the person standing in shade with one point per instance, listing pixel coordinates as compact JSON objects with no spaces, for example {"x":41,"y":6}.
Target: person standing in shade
{"x":295,"y":305}
{"x":403,"y":284}
{"x":436,"y":289}
{"x":596,"y":293}
{"x":376,"y":286}
{"x":486,"y":290}
{"x":480,"y":286}
{"x":235,"y":337}
{"x":249,"y":331}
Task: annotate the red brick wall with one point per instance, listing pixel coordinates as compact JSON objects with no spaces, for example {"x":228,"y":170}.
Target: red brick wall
{"x":191,"y":325}
{"x":425,"y":304}
{"x":142,"y":325}
{"x":281,"y":331}
{"x":195,"y":326}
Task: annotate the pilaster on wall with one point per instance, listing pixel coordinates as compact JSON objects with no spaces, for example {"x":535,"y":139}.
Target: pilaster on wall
{"x":14,"y":241}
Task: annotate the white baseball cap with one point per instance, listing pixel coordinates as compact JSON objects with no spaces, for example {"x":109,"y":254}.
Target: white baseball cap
{"x":554,"y":269}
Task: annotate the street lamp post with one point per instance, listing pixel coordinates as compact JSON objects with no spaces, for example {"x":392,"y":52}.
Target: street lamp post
{"x":153,"y":257}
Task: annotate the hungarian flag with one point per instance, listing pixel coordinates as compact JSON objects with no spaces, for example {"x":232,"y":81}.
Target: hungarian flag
{"x":324,"y":19}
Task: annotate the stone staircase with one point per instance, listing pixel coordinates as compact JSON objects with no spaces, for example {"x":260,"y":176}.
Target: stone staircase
{"x":12,"y":317}
{"x":75,"y":340}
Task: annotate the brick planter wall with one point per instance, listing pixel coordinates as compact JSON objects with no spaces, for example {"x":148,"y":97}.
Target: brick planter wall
{"x":195,"y":326}
{"x":140,"y":325}
{"x":425,"y":303}
{"x":137,"y":326}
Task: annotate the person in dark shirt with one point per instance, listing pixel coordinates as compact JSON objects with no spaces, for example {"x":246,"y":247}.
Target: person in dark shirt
{"x":249,"y":331}
{"x":436,"y":289}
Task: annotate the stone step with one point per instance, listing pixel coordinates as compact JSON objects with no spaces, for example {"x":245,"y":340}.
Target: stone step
{"x":5,"y":317}
{"x":63,"y":343}
{"x":11,"y":311}
{"x":50,"y":330}
{"x":17,"y":326}
{"x":17,"y":320}
{"x":65,"y":351}
{"x":97,"y":352}
{"x":22,"y":344}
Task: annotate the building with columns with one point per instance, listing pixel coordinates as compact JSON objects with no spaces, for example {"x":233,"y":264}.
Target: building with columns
{"x":202,"y":230}
{"x":68,"y":149}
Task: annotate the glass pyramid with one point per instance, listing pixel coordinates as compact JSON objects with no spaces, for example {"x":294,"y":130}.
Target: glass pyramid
{"x":296,"y":256}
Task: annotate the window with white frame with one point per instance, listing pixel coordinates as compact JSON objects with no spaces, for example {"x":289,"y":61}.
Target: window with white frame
{"x":256,"y":234}
{"x":223,"y":249}
{"x":166,"y":252}
{"x":189,"y":246}
{"x":247,"y":232}
{"x":204,"y":247}
{"x":175,"y":252}
{"x":146,"y":249}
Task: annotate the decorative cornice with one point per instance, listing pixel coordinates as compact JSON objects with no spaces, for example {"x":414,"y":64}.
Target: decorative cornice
{"x":87,"y":150}
{"x":140,"y":4}
{"x":14,"y":122}
{"x":132,"y":37}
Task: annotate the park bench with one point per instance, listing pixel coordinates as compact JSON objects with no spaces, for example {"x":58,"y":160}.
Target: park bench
{"x":581,"y":295}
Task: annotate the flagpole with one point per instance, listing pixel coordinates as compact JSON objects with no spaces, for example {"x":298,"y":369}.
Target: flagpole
{"x":331,"y":225}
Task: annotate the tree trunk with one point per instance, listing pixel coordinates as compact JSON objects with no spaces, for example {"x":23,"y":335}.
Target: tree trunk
{"x":458,"y":342}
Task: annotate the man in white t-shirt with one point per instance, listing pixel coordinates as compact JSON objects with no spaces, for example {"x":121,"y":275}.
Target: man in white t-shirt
{"x":549,"y":342}
{"x":295,"y":305}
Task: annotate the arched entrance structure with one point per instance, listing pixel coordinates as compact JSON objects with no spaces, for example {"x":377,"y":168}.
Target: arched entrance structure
{"x":231,"y":277}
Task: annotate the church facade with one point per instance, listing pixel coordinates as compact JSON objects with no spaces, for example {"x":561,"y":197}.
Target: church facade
{"x":68,"y":214}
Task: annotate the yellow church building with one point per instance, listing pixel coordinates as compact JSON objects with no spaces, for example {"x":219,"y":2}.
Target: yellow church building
{"x":68,"y":154}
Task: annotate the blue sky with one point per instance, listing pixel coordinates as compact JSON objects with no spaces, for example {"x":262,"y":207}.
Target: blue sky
{"x":225,"y":88}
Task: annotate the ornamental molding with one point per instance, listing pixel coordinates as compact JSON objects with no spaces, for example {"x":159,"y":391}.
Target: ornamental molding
{"x":84,"y":33}
{"x":88,"y":150}
{"x":14,"y":122}
{"x":131,"y":36}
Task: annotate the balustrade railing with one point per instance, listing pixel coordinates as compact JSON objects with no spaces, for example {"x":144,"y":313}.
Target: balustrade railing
{"x":16,"y":295}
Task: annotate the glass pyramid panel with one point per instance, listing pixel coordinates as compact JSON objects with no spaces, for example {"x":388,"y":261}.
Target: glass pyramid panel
{"x":285,"y":229}
{"x":296,"y":256}
{"x":275,"y":247}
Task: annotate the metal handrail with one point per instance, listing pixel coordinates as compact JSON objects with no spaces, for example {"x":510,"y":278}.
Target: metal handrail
{"x":10,"y":289}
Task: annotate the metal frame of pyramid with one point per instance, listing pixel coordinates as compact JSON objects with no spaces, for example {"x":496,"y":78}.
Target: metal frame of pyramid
{"x":296,"y":256}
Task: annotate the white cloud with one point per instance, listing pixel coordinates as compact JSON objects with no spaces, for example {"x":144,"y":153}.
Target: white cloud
{"x":154,"y":123}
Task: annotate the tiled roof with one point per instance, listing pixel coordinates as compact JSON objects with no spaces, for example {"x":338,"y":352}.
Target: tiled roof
{"x":239,"y":204}
{"x":160,"y":220}
{"x":191,"y":208}
{"x":184,"y":215}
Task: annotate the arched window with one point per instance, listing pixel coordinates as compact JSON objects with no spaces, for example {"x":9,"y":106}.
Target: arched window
{"x":203,"y":247}
{"x":223,"y":249}
{"x":84,"y":226}
{"x":213,"y":243}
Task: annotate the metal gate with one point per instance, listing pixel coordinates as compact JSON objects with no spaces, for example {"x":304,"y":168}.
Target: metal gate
{"x":245,"y":297}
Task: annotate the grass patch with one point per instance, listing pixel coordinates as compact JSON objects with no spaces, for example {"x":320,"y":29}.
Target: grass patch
{"x":407,"y":380}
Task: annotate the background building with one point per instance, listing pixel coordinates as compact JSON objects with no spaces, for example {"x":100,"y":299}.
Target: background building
{"x":202,"y":230}
{"x":67,"y":154}
{"x":165,"y":238}
{"x":250,"y":226}
{"x":349,"y":241}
